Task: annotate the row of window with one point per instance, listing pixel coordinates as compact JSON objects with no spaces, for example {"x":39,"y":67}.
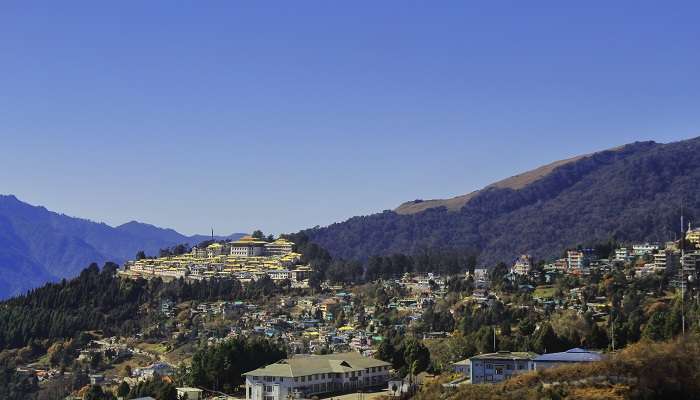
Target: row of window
{"x":507,"y":366}
{"x":329,"y":375}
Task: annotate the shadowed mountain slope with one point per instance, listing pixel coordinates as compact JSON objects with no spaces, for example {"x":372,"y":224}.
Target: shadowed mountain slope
{"x":628,"y":193}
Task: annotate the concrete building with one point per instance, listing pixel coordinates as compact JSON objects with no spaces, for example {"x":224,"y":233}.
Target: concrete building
{"x":499,"y":366}
{"x":215,"y":250}
{"x":248,"y":246}
{"x":189,"y":393}
{"x":575,"y":260}
{"x":279,"y":247}
{"x":522,"y":265}
{"x":305,"y":376}
{"x":160,"y":368}
{"x":666,"y":258}
{"x":571,"y":356}
{"x":622,"y":254}
{"x":644,"y":249}
{"x":463,"y":367}
{"x":693,"y":236}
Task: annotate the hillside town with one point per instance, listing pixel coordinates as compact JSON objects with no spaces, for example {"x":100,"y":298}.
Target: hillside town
{"x":245,"y":259}
{"x":480,"y":327}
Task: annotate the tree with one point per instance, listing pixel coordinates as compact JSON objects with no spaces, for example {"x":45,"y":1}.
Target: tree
{"x":416,"y":355}
{"x":547,"y":340}
{"x":655,"y":327}
{"x":123,"y":389}
{"x":95,"y":392}
{"x":597,"y":338}
{"x":258,"y":234}
{"x":387,"y":352}
{"x":140,"y":255}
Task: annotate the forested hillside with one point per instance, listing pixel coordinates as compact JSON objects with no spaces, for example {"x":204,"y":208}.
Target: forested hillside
{"x":630,"y":193}
{"x":98,"y":300}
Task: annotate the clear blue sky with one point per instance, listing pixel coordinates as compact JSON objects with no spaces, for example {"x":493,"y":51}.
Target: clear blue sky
{"x":285,"y":115}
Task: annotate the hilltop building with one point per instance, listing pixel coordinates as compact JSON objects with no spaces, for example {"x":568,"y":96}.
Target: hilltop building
{"x":306,"y":376}
{"x":692,"y":236}
{"x":279,"y":247}
{"x":248,"y":246}
{"x":246,"y":259}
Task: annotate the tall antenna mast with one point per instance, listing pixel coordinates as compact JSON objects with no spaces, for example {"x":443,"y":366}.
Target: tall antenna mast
{"x":682,"y":272}
{"x":212,"y":233}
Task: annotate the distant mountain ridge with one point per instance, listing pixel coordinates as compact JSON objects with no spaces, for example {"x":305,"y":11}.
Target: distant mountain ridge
{"x":632,"y":192}
{"x":38,"y":245}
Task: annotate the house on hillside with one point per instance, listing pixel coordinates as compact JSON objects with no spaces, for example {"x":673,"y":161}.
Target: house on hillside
{"x":499,"y":366}
{"x":305,"y":376}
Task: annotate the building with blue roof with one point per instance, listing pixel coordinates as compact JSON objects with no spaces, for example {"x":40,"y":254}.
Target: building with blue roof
{"x":575,"y":355}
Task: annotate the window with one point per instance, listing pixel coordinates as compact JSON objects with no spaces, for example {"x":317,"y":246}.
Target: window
{"x":489,"y":366}
{"x":296,"y":379}
{"x":499,"y":370}
{"x":268,"y":389}
{"x":509,"y":367}
{"x":303,"y":379}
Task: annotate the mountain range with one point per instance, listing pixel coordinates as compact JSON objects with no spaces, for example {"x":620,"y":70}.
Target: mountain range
{"x":38,"y":245}
{"x":630,"y":193}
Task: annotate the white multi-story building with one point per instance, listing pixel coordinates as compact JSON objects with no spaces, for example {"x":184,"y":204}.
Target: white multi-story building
{"x":248,"y":246}
{"x":522,"y":265}
{"x":622,"y":254}
{"x":644,"y":249}
{"x":279,"y":247}
{"x":305,"y":376}
{"x":575,"y":260}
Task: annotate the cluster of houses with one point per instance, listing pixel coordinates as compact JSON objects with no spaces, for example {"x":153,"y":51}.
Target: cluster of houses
{"x":246,"y":259}
{"x":646,"y":258}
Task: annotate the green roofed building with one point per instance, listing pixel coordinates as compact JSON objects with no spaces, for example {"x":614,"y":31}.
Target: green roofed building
{"x":307,"y":375}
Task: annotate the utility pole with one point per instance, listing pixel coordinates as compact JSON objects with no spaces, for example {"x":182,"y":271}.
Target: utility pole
{"x":682,"y":274}
{"x":494,"y":340}
{"x":612,"y":327}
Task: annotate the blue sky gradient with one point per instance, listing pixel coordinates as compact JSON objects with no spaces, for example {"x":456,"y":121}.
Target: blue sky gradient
{"x":285,"y":115}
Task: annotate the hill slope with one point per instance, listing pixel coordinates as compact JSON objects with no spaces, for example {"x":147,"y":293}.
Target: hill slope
{"x":37,"y":245}
{"x":456,"y":203}
{"x":629,"y":193}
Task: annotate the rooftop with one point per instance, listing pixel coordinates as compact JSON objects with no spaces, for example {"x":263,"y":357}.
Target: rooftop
{"x":572,"y":355}
{"x":318,"y":364}
{"x":506,"y":355}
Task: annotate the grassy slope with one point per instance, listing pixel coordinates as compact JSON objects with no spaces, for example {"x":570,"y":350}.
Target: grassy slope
{"x":642,"y":371}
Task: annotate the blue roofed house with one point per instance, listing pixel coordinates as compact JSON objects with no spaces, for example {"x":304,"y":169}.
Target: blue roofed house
{"x":575,"y":355}
{"x":499,"y":366}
